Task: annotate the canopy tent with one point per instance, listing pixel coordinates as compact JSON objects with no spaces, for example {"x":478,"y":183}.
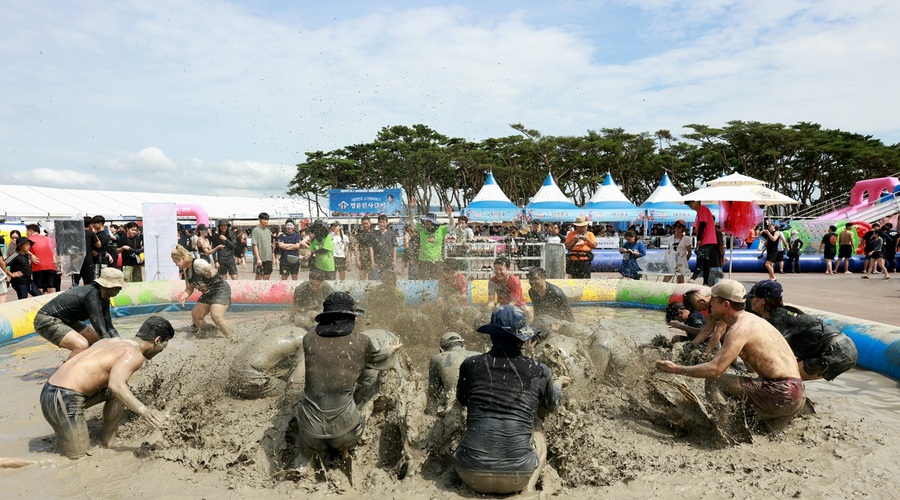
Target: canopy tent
{"x":609,"y":204}
{"x":550,"y":204}
{"x":491,"y":204}
{"x":39,"y":203}
{"x":664,"y":205}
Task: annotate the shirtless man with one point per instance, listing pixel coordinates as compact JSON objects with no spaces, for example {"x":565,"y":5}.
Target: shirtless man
{"x":845,"y":248}
{"x":779,"y":392}
{"x":443,"y":370}
{"x":547,"y":298}
{"x":308,"y":298}
{"x":258,"y":370}
{"x":101,"y":374}
{"x":60,"y":320}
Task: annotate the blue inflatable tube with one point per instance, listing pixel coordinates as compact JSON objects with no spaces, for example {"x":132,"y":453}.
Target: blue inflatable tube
{"x":743,"y":261}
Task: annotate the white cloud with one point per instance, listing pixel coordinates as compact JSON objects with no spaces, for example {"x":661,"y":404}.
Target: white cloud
{"x":221,"y":97}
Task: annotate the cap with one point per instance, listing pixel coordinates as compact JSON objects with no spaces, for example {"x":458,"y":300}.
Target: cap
{"x":432,"y":218}
{"x":451,"y":338}
{"x":21,"y":241}
{"x":581,"y":221}
{"x":223,"y":222}
{"x":729,"y":290}
{"x":681,"y":222}
{"x":111,"y":278}
{"x":768,"y":289}
{"x":263,"y":215}
{"x":289,"y":225}
{"x":509,"y":319}
{"x":202,"y":227}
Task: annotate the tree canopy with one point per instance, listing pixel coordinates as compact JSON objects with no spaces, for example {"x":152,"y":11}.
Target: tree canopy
{"x":803,"y":161}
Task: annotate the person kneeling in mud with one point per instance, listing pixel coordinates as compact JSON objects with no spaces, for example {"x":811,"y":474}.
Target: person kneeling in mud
{"x":778,"y":395}
{"x":215,"y":292}
{"x":502,"y":451}
{"x":259,"y":369}
{"x":335,"y":357}
{"x":100,"y":374}
{"x":822,"y":351}
{"x":443,"y":370}
{"x":308,"y":299}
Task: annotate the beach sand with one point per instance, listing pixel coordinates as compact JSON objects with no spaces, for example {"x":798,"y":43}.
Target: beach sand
{"x":608,"y":438}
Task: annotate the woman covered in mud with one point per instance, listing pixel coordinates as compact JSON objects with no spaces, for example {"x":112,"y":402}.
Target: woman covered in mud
{"x":216,"y":294}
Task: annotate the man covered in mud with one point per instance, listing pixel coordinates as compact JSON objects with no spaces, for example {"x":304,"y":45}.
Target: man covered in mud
{"x":260,"y":369}
{"x":547,"y":298}
{"x":308,"y":299}
{"x":100,"y":374}
{"x":335,"y":357}
{"x":778,"y":394}
{"x":822,"y":351}
{"x":60,"y":320}
{"x":443,"y":370}
{"x":502,"y":451}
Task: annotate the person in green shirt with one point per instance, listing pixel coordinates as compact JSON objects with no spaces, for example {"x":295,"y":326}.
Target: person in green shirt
{"x":322,"y":249}
{"x":431,"y":234}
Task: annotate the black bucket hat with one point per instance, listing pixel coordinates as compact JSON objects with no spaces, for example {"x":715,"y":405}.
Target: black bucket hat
{"x":338,"y":316}
{"x":511,"y":320}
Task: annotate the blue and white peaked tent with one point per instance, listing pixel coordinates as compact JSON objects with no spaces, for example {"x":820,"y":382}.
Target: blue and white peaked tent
{"x":550,"y":204}
{"x":609,"y":204}
{"x":664,"y":205}
{"x":491,"y":204}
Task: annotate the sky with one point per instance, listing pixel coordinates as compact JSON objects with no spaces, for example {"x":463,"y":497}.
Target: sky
{"x":226,"y":97}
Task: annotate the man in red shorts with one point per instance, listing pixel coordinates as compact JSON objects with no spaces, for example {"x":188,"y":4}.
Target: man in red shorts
{"x":778,"y":394}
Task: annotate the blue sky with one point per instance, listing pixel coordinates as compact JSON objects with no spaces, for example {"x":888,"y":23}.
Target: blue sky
{"x":225,"y":97}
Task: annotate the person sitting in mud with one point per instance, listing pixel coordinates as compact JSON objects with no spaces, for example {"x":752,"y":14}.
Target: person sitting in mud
{"x":308,"y":298}
{"x":547,"y":298}
{"x":822,"y":351}
{"x":100,"y":374}
{"x":453,"y":287}
{"x":60,"y":320}
{"x":443,"y":370}
{"x":501,"y":451}
{"x":259,"y":370}
{"x":505,"y":288}
{"x":215,"y":292}
{"x":335,"y":357}
{"x":778,"y":394}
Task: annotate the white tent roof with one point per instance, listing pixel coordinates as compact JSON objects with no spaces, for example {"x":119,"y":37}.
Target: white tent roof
{"x":550,"y":193}
{"x":665,"y":192}
{"x":608,"y":191}
{"x":30,"y":202}
{"x":491,"y":191}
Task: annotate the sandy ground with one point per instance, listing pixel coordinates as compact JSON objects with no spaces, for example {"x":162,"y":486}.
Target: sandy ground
{"x":617,"y":435}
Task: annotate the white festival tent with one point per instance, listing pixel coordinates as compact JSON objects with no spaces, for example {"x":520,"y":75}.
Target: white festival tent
{"x":31,"y":203}
{"x":491,"y":204}
{"x":664,"y":204}
{"x":550,"y":204}
{"x":609,"y":204}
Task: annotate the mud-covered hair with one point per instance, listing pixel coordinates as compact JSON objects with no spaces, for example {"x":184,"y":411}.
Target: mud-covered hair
{"x":156,"y":326}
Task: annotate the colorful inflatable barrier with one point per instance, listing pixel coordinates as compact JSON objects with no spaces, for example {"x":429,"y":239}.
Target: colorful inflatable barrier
{"x":878,"y":344}
{"x":743,"y":261}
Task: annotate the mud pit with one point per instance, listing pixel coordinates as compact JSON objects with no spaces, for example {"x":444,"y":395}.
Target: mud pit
{"x":609,"y":437}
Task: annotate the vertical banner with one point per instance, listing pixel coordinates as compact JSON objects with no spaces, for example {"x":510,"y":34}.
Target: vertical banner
{"x":160,"y":237}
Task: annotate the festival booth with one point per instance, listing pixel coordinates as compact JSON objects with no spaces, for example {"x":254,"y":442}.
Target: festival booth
{"x":609,"y":204}
{"x":664,"y":204}
{"x":491,"y":204}
{"x":550,"y":204}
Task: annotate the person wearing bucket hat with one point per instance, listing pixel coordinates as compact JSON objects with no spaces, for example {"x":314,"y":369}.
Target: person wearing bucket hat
{"x":443,"y":370}
{"x":100,"y":375}
{"x":215,"y":292}
{"x":431,"y":235}
{"x":20,"y":269}
{"x":822,"y":351}
{"x":289,"y":244}
{"x":580,"y":243}
{"x":335,"y":356}
{"x":502,"y":451}
{"x":778,"y":394}
{"x":226,"y":243}
{"x":60,"y":320}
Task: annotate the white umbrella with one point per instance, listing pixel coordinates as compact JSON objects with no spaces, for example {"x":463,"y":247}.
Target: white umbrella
{"x":737,"y":187}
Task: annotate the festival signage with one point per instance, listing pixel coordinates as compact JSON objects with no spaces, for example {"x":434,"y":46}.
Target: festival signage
{"x":359,"y":202}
